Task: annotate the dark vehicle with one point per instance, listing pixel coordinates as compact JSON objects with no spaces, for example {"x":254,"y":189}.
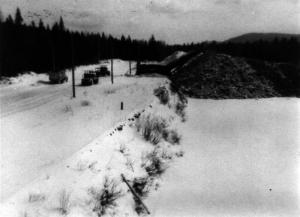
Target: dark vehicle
{"x":89,"y":78}
{"x":102,"y":71}
{"x":58,"y":77}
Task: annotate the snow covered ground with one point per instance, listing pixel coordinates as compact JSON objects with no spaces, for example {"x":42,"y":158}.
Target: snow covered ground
{"x":41,"y":124}
{"x":241,"y":159}
{"x":118,"y":150}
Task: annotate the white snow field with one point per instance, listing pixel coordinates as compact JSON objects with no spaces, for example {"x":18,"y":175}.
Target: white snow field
{"x":115,"y":152}
{"x":41,"y":124}
{"x":242,"y":158}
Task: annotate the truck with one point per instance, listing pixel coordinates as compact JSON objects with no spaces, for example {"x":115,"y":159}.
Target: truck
{"x":58,"y":77}
{"x":102,"y":71}
{"x":89,"y":78}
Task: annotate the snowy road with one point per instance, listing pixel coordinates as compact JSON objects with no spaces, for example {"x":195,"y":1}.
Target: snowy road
{"x":13,"y":101}
{"x":42,"y":125}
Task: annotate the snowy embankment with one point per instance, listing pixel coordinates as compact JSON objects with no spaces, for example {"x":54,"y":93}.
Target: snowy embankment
{"x":140,"y":147}
{"x":241,"y":159}
{"x":41,"y":124}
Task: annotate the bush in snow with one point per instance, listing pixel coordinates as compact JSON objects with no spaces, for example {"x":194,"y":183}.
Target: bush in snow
{"x":67,"y":109}
{"x":163,"y":95}
{"x":179,"y":153}
{"x":180,"y":106}
{"x":110,"y":91}
{"x":85,"y":103}
{"x":142,"y":187}
{"x":151,"y":127}
{"x":64,"y":202}
{"x":180,"y":110}
{"x":155,"y":166}
{"x":105,"y":198}
{"x":181,"y":101}
{"x":172,"y":136}
{"x":36,"y":197}
{"x":123,"y":149}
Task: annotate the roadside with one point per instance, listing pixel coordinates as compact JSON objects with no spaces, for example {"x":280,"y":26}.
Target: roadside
{"x":43,"y":124}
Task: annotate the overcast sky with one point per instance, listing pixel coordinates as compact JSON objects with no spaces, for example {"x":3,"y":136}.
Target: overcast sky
{"x":175,"y":21}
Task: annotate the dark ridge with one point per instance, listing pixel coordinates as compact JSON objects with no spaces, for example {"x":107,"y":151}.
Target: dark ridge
{"x":221,"y":76}
{"x":252,"y":37}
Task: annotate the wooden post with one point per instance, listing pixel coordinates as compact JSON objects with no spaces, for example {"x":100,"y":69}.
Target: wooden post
{"x":112,"y":70}
{"x":122,"y":105}
{"x":112,"y":64}
{"x":73,"y":73}
{"x":130,"y":67}
{"x":52,"y":55}
{"x":135,"y":194}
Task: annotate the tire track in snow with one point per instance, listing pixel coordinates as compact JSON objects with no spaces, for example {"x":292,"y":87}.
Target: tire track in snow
{"x":38,"y":98}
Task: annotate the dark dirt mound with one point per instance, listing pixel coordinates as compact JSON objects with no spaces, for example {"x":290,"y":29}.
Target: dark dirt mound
{"x":221,"y":76}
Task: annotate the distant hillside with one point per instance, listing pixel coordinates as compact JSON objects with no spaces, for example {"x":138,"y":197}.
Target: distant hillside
{"x":252,"y":37}
{"x":220,"y":76}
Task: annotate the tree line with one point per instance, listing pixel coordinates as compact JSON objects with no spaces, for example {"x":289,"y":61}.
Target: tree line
{"x":41,"y":48}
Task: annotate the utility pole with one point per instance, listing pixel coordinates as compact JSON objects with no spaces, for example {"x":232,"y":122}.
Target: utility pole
{"x":52,"y":54}
{"x":129,"y":66}
{"x":112,"y":65}
{"x":98,"y":50}
{"x":73,"y":74}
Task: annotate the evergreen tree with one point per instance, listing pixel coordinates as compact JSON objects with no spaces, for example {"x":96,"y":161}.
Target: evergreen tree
{"x":32,"y":24}
{"x":41,"y":25}
{"x":9,"y":20}
{"x":18,"y":17}
{"x":1,"y":16}
{"x":61,"y":25}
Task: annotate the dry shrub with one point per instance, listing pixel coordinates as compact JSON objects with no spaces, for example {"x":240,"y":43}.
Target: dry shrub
{"x":105,"y":198}
{"x":129,"y":164}
{"x":180,"y":106}
{"x":162,"y":94}
{"x":179,"y":153}
{"x":123,"y":149}
{"x":64,"y":202}
{"x":181,"y":103}
{"x":142,"y":187}
{"x":85,"y":103}
{"x":110,"y":91}
{"x":67,"y":109}
{"x":155,"y":166}
{"x":36,"y":197}
{"x":151,"y":127}
{"x":172,"y":137}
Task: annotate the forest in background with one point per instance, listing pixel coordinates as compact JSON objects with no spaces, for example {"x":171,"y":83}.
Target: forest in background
{"x":43,"y":48}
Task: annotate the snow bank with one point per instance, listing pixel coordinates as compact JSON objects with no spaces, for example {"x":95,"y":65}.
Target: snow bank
{"x":40,"y":124}
{"x":120,"y":150}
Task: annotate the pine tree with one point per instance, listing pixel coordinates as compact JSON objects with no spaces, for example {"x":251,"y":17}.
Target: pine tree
{"x":41,"y":24}
{"x":18,"y":17}
{"x":32,"y":24}
{"x":9,"y":20}
{"x":61,"y":24}
{"x":1,"y":16}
